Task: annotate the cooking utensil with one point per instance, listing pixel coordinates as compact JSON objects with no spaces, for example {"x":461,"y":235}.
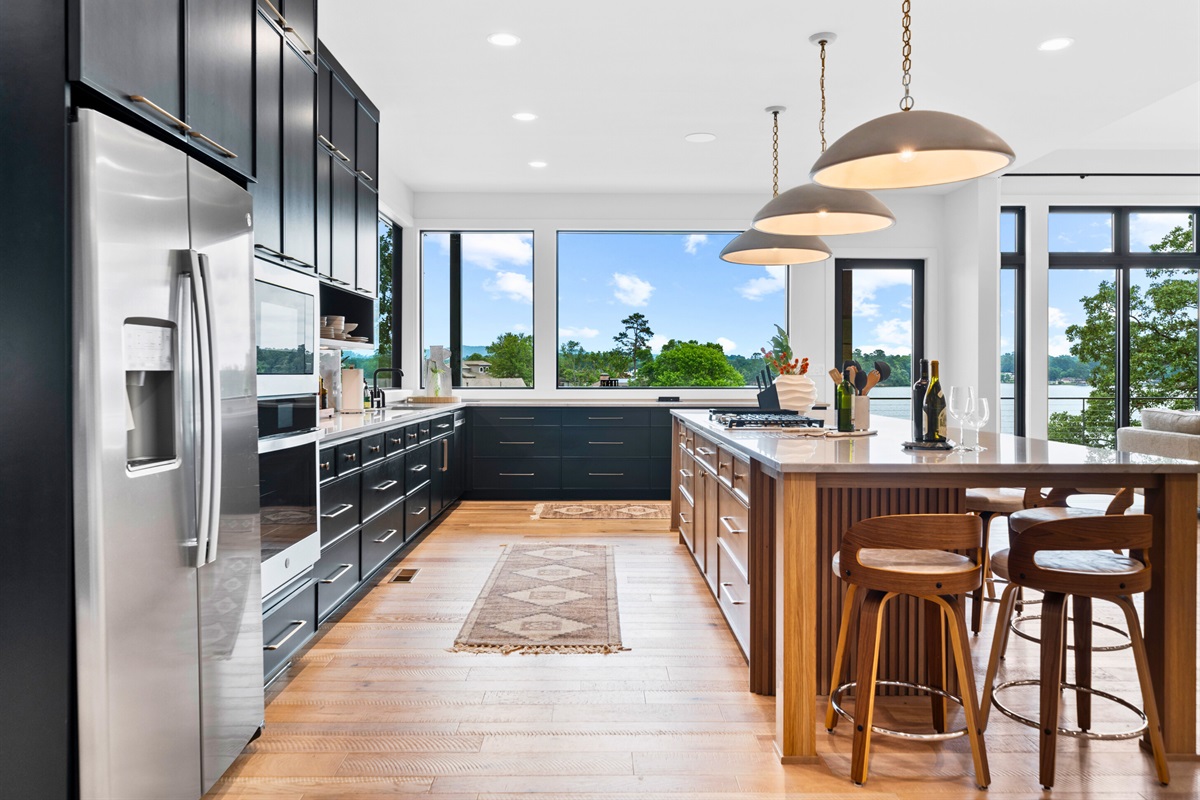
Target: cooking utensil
{"x":873,"y":378}
{"x":836,"y":376}
{"x":860,"y":380}
{"x":885,"y":370}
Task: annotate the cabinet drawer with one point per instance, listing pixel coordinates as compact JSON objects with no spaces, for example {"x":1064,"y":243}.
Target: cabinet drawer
{"x":685,"y":438}
{"x":515,"y":473}
{"x":381,"y":537}
{"x":393,"y":441}
{"x":382,"y":485}
{"x":349,"y":457}
{"x":485,"y":417}
{"x":705,"y":451}
{"x":411,"y":435}
{"x":610,"y":417}
{"x":660,"y":474}
{"x":734,"y":472}
{"x":340,"y":508}
{"x":416,"y":513}
{"x":605,"y":442}
{"x":440,"y":426}
{"x":516,"y":442}
{"x":337,"y":574}
{"x":733,"y":526}
{"x":372,"y":448}
{"x":687,"y":519}
{"x":733,"y":594}
{"x":605,"y":473}
{"x":424,"y":431}
{"x":416,"y":467}
{"x":287,"y":628}
{"x":327,"y":464}
{"x":686,"y":477}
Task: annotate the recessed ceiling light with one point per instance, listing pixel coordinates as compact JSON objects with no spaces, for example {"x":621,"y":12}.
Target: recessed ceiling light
{"x":524,"y":116}
{"x":537,"y":164}
{"x":504,"y":40}
{"x":700,"y":138}
{"x":1059,"y":43}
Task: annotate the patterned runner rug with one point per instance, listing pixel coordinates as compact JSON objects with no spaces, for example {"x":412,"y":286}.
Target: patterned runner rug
{"x":546,"y":598}
{"x":604,"y":510}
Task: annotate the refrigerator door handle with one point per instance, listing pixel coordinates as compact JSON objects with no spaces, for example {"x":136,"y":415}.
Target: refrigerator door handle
{"x":209,"y":468}
{"x":214,"y":428}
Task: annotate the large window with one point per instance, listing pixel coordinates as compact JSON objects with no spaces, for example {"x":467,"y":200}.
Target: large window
{"x":662,"y":309}
{"x":1012,"y":321}
{"x":386,"y":313}
{"x":880,"y":317}
{"x":477,"y":306}
{"x":1123,"y":318}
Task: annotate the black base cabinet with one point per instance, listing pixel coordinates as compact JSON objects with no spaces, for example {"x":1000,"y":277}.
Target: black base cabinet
{"x":337,"y":574}
{"x":287,"y":626}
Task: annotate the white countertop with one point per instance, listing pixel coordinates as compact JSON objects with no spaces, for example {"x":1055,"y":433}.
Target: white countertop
{"x":789,"y":452}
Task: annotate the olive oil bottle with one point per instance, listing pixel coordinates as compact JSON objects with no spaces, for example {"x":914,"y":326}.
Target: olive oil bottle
{"x":935,"y":407}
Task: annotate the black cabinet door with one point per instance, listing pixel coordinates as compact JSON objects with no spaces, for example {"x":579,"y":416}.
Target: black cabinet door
{"x":299,"y":158}
{"x":367,"y":147}
{"x":437,"y":478}
{"x":301,"y":17}
{"x":325,"y":103}
{"x":366,"y":273}
{"x":344,"y":110}
{"x":268,"y":168}
{"x":134,"y":48}
{"x":343,"y":225}
{"x":458,"y":450}
{"x":324,"y":212}
{"x":219,"y":79}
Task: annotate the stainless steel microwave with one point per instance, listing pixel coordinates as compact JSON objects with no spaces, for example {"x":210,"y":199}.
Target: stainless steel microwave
{"x":286,"y":327}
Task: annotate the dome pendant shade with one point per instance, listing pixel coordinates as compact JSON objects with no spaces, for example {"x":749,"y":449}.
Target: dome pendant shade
{"x":756,"y":248}
{"x":910,"y":149}
{"x":812,"y":210}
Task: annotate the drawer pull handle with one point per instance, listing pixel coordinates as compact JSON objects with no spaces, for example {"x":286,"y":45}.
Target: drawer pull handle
{"x":374,"y":448}
{"x":732,"y":602}
{"x":686,"y":473}
{"x":443,"y":426}
{"x":682,"y":518}
{"x":341,"y":510}
{"x":516,"y":418}
{"x":516,"y":474}
{"x":326,"y":465}
{"x":606,"y":418}
{"x":325,"y":142}
{"x":728,"y":526}
{"x":363,"y":174}
{"x":220,"y":148}
{"x":518,"y":442}
{"x":341,"y":155}
{"x":397,"y":441}
{"x":386,"y":535}
{"x":420,"y":511}
{"x":308,"y":51}
{"x":420,"y":468}
{"x":739,"y":475}
{"x":295,"y":625}
{"x":352,"y":456}
{"x":383,"y":487}
{"x":606,"y":443}
{"x":704,"y":451}
{"x":412,"y":436}
{"x":606,"y":474}
{"x":176,"y":121}
{"x":342,"y":570}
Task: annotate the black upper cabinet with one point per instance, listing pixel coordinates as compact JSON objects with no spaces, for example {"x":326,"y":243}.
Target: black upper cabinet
{"x":220,"y":80}
{"x":366,"y":276}
{"x":299,"y":158}
{"x":367,"y":147}
{"x":268,"y":191}
{"x":324,"y":209}
{"x":302,"y":25}
{"x":343,"y":116}
{"x":325,"y":104}
{"x":343,"y":225}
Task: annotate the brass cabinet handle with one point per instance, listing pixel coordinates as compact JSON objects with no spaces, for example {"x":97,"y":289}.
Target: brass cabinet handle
{"x":445,"y":455}
{"x":337,"y":575}
{"x":222,"y":149}
{"x":412,"y":436}
{"x":397,"y":441}
{"x":325,"y":465}
{"x":373,"y":448}
{"x":352,"y":456}
{"x":304,"y":48}
{"x":176,"y":121}
{"x":295,"y":625}
{"x":363,"y":174}
{"x":732,"y":602}
{"x":278,"y":17}
{"x":389,"y":533}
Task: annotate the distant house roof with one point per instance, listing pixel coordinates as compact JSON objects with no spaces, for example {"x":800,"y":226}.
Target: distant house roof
{"x":477,"y":363}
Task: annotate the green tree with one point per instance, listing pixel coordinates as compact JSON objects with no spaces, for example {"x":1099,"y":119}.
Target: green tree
{"x":634,"y":338}
{"x":1162,"y":348}
{"x":511,"y":356}
{"x":901,"y":366}
{"x":690,"y":364}
{"x":386,"y":259}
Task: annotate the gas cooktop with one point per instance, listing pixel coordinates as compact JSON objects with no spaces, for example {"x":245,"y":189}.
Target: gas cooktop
{"x":762,"y":419}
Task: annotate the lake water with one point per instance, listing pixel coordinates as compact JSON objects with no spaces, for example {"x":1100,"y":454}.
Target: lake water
{"x":896,"y":401}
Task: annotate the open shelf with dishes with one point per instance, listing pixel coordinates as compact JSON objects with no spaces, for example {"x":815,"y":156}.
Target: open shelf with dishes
{"x":347,"y":320}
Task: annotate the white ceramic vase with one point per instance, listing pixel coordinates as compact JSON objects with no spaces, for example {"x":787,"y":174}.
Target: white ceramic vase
{"x":796,"y":392}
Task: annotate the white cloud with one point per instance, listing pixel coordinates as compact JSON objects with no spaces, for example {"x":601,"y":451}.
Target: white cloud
{"x":512,"y":285}
{"x":1148,"y":229}
{"x":1058,"y":345}
{"x":1005,"y":344}
{"x":891,"y":336}
{"x":657,"y":342}
{"x":1057,"y":318}
{"x":867,"y":282}
{"x":491,"y":250}
{"x":727,"y":344}
{"x":631,"y":290}
{"x":519,"y":327}
{"x":692,"y":242}
{"x":758,"y":288}
{"x":578,"y":333}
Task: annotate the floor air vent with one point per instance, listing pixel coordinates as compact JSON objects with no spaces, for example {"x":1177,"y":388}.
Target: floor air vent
{"x":406,"y":576}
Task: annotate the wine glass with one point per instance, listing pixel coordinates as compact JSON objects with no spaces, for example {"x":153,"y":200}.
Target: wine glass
{"x":977,"y":419}
{"x":962,"y":403}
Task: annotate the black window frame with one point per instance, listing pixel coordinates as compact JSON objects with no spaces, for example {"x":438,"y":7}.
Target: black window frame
{"x":1015,"y":261}
{"x":842,"y":318}
{"x":397,"y":270}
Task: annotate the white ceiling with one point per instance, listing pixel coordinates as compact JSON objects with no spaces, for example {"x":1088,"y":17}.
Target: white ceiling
{"x":617,"y":84}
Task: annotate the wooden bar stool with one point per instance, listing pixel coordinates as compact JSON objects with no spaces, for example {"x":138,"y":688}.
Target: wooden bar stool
{"x":1077,"y":557}
{"x":987,"y":504}
{"x":908,"y":554}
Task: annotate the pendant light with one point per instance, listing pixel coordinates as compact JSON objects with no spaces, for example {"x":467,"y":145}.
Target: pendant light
{"x":756,"y":248}
{"x":911,"y":148}
{"x":820,"y":210}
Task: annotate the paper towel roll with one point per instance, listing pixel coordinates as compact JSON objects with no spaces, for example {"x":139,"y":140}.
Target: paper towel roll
{"x":351,"y":397}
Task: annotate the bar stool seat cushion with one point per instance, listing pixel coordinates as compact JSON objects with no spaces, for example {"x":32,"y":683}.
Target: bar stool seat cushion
{"x":996,"y":501}
{"x":1091,"y":562}
{"x":923,"y":562}
{"x":1027,"y":518}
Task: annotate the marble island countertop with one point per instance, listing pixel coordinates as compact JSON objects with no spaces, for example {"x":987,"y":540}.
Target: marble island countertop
{"x":882,"y":452}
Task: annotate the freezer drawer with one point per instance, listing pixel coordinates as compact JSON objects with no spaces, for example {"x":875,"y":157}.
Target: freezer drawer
{"x":287,"y":628}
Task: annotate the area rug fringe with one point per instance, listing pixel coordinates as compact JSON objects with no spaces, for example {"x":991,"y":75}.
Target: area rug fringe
{"x":537,"y":511}
{"x":538,"y":649}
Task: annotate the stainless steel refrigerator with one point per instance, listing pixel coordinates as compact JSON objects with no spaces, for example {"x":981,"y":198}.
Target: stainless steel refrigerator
{"x":169,"y":617}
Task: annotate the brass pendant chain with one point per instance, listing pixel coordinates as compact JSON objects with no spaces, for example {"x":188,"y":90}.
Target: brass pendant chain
{"x":823,"y":43}
{"x":775,"y":154}
{"x":906,"y":103}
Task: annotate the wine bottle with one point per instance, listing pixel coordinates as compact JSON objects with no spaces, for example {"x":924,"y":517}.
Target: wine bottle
{"x":843,"y":402}
{"x":918,"y":402}
{"x":935,"y":407}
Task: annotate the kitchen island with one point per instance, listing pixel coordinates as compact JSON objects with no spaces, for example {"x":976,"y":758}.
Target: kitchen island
{"x":799,"y":493}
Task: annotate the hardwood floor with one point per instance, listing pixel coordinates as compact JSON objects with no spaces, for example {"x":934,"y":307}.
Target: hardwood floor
{"x":377,"y":707}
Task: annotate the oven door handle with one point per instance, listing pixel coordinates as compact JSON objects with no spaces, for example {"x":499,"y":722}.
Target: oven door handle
{"x":277,"y":443}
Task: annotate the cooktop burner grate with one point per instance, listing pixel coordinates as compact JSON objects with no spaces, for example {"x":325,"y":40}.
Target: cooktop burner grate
{"x":762,"y":419}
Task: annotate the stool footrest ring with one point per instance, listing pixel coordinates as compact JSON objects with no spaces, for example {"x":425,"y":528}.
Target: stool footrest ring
{"x":1075,"y":732}
{"x":1108,"y":648}
{"x":835,"y":701}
